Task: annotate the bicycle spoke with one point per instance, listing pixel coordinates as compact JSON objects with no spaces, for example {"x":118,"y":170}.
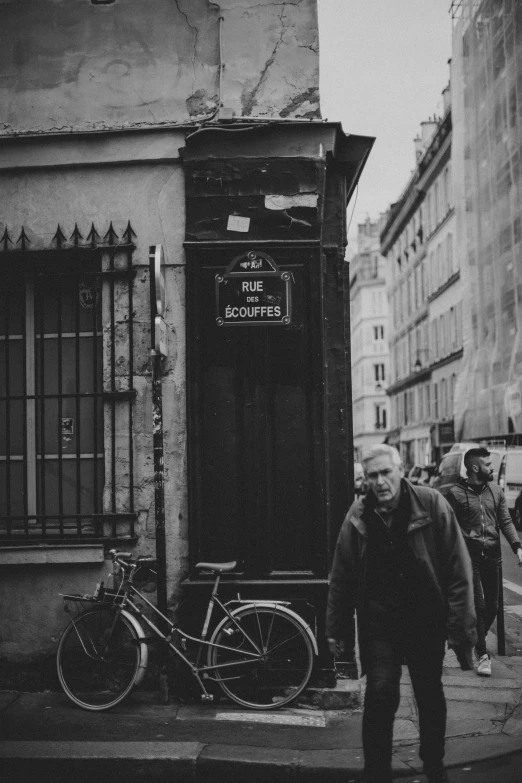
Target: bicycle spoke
{"x":279,"y":674}
{"x":100,"y":680}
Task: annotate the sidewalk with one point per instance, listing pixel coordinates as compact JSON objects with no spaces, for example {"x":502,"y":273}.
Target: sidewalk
{"x":43,"y":737}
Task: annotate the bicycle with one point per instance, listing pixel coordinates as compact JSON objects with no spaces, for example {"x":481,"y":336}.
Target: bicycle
{"x":261,"y":653}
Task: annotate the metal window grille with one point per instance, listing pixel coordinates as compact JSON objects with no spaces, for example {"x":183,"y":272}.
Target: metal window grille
{"x":66,"y":394}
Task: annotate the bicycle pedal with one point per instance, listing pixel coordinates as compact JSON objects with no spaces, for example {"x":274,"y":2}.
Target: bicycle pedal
{"x":207,"y":697}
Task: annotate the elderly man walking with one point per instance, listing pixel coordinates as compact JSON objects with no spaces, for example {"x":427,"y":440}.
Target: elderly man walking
{"x":401,"y":563}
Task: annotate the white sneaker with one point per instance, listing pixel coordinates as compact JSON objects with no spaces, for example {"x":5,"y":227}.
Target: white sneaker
{"x":484,"y":666}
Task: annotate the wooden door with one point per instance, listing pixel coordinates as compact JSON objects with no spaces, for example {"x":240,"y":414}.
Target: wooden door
{"x":255,"y":394}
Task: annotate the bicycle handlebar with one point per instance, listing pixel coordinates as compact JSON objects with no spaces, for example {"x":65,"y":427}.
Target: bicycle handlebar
{"x":114,"y":554}
{"x":125,"y":559}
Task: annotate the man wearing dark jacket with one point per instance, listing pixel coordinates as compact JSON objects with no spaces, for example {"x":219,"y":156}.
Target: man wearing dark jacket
{"x":401,"y":563}
{"x":481,"y":509}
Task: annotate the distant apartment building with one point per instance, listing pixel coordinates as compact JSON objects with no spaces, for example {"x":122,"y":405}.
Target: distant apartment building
{"x":369,"y":338}
{"x":487,"y":140}
{"x":425,"y":300}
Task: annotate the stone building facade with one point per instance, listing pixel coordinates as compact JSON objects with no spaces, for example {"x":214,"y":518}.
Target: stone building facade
{"x":418,"y":241}
{"x":194,"y":126}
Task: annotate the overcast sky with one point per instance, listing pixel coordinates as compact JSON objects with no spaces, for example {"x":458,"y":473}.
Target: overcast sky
{"x":384,"y":64}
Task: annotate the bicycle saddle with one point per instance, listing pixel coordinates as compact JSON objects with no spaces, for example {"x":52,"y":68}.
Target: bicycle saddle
{"x":218,"y":567}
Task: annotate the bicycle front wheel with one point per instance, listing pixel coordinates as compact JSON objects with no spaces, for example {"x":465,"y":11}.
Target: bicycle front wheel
{"x":263,"y":657}
{"x":98,"y":659}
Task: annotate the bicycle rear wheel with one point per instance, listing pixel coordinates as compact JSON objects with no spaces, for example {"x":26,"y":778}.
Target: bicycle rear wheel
{"x":268,"y":657}
{"x":98,"y":659}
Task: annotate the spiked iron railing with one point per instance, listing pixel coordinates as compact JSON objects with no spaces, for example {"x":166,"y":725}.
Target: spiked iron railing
{"x":46,"y":388}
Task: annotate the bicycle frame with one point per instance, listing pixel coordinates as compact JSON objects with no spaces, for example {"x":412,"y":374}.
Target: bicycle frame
{"x":125,"y":601}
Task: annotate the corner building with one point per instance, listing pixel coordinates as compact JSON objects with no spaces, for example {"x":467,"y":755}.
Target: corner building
{"x":195,"y":127}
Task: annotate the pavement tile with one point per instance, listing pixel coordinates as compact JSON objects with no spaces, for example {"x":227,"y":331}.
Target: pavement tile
{"x":462,"y":751}
{"x":407,"y":707}
{"x":315,"y":719}
{"x":502,"y":667}
{"x":405,"y":730}
{"x":513,"y":726}
{"x":196,"y":712}
{"x":345,"y":719}
{"x":475,"y":681}
{"x":457,"y":727}
{"x":465,"y":750}
{"x":476,"y":710}
{"x":496,"y":695}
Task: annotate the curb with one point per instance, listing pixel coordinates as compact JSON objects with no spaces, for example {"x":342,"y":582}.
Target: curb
{"x":184,"y":762}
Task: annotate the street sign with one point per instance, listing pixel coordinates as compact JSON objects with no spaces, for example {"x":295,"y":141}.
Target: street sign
{"x":253,"y":291}
{"x":160,"y":336}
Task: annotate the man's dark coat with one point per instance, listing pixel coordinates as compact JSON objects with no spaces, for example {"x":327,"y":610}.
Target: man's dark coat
{"x":440,"y":552}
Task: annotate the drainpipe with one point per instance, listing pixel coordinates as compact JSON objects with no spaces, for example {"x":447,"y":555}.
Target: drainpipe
{"x":158,"y":350}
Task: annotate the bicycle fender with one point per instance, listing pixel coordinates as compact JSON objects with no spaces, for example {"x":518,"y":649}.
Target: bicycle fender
{"x":284,"y":610}
{"x":144,"y":650}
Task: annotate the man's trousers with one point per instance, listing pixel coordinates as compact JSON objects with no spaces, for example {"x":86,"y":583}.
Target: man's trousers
{"x":424,"y":657}
{"x":486,"y":582}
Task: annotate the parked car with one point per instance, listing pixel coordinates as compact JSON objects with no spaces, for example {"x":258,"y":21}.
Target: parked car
{"x":451,"y":468}
{"x":421,"y":474}
{"x":358,"y":479}
{"x":510,"y":476}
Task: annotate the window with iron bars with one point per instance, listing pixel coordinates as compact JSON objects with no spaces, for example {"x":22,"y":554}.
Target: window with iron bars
{"x":66,"y":396}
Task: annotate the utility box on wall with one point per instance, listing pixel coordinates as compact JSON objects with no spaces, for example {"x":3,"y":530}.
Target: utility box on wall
{"x":268,"y":384}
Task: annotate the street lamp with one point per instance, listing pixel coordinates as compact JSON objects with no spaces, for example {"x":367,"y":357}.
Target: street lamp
{"x":418,"y":364}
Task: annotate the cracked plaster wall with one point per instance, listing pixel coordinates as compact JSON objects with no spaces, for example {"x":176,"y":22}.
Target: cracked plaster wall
{"x":152,"y":198}
{"x":271,"y":58}
{"x":70,"y":65}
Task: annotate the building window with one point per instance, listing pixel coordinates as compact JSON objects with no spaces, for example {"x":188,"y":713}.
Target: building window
{"x":438,"y":264}
{"x":378,"y":332}
{"x":434,"y":340}
{"x":380,"y":417}
{"x":459,"y":324}
{"x":443,"y":399}
{"x":452,"y":394}
{"x":442,"y":337}
{"x":435,"y":401}
{"x":58,"y":416}
{"x":378,"y":371}
{"x":449,"y":253}
{"x":453,"y":328}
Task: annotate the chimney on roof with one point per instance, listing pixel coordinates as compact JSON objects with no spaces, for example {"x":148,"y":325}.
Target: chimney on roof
{"x":428,"y":128}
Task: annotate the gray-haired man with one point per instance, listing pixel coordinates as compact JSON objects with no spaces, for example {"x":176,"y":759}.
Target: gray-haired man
{"x":402,"y":564}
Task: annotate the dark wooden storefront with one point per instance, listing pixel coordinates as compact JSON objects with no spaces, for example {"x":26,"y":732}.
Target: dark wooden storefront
{"x":269,"y":405}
